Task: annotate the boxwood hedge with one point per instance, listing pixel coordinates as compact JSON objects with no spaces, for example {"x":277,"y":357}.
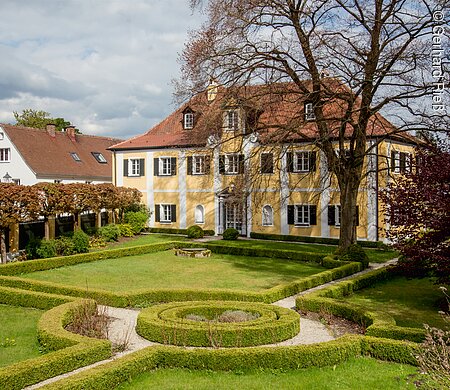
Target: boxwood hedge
{"x":378,"y":323}
{"x":71,"y":351}
{"x":334,"y":352}
{"x":167,"y":324}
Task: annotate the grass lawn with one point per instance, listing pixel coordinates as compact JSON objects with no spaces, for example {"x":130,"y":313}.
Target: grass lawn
{"x":126,"y":242}
{"x":165,"y":270}
{"x":361,"y":373}
{"x":412,"y":302}
{"x":18,"y":324}
{"x":375,"y":255}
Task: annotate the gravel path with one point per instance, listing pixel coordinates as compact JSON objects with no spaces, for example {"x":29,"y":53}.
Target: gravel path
{"x":122,"y":328}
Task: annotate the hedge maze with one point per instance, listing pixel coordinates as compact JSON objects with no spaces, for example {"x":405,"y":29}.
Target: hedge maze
{"x":167,"y":319}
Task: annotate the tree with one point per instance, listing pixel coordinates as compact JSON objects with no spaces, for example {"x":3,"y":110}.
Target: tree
{"x":418,"y":212}
{"x":40,"y":119}
{"x":376,"y":51}
{"x":17,"y":204}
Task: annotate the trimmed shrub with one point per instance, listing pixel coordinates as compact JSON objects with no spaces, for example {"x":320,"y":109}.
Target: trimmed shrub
{"x":46,"y":249}
{"x":317,"y":240}
{"x":32,"y":246}
{"x":195,"y":231}
{"x":80,"y":241}
{"x":136,"y":219}
{"x":178,"y":231}
{"x":230,"y":234}
{"x":168,"y":324}
{"x":126,"y":230}
{"x":109,"y":232}
{"x":65,"y":246}
{"x":355,"y":253}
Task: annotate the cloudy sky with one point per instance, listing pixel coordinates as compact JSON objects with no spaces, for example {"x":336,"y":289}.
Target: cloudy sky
{"x":104,"y":65}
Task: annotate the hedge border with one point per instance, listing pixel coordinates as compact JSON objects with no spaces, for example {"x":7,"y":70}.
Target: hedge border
{"x":329,"y":353}
{"x":149,"y":296}
{"x":316,"y":240}
{"x":165,"y":324}
{"x":178,"y":231}
{"x":70,"y":351}
{"x":378,"y":323}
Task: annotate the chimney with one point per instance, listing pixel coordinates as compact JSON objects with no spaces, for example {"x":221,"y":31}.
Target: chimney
{"x":51,"y":129}
{"x":212,"y":90}
{"x":70,"y":130}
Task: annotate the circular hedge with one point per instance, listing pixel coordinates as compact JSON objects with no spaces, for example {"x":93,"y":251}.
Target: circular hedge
{"x":167,"y":324}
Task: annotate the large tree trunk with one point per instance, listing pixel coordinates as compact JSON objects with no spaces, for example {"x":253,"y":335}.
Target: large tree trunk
{"x":348,"y":184}
{"x":3,"y":246}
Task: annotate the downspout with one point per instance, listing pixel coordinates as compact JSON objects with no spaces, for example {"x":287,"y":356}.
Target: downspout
{"x":376,"y":188}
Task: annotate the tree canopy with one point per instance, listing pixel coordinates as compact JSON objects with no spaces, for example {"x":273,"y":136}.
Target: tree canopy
{"x":377,"y":53}
{"x":40,"y":119}
{"x":418,"y":213}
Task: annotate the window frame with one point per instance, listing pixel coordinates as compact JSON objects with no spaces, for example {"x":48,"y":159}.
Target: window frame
{"x":235,"y":163}
{"x":100,"y":158}
{"x":231,"y":120}
{"x":305,"y":157}
{"x":165,"y":166}
{"x":309,"y":112}
{"x":196,"y":158}
{"x":263,"y":221}
{"x":302,"y":207}
{"x":134,"y":167}
{"x":188,"y":120}
{"x":162,"y":212}
{"x":75,"y":156}
{"x":5,"y":155}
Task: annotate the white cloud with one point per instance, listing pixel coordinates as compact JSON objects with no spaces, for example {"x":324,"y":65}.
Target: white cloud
{"x":104,"y":65}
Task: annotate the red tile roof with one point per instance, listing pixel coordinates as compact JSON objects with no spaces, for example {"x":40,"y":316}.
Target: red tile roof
{"x":50,"y":157}
{"x":280,"y":118}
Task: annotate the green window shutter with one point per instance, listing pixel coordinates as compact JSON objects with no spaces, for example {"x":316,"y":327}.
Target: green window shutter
{"x":331,"y":215}
{"x":290,"y":162}
{"x":291,"y":214}
{"x":125,"y":167}
{"x":222,"y":164}
{"x":157,"y":213}
{"x":207,"y":165}
{"x":141,"y":167}
{"x":156,"y":166}
{"x":313,"y":215}
{"x":173,"y":166}
{"x":173,"y":210}
{"x":189,"y":165}
{"x":312,"y":161}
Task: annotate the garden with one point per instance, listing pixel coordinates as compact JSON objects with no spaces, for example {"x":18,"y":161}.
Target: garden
{"x":215,"y":304}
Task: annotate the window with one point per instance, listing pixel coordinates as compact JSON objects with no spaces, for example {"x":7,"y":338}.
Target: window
{"x":16,"y":181}
{"x":5,"y":155}
{"x":75,"y":156}
{"x":302,"y":215}
{"x":165,"y":166}
{"x":57,"y":181}
{"x":88,"y":182}
{"x":2,"y":135}
{"x":134,"y":167}
{"x":99,"y":157}
{"x":231,"y":120}
{"x":188,"y":120}
{"x":267,"y":215}
{"x":334,"y":215}
{"x":198,"y":165}
{"x":199,"y":214}
{"x":301,"y":162}
{"x":309,"y":112}
{"x":266,"y":162}
{"x":165,"y":213}
{"x":231,"y":164}
{"x":400,"y":162}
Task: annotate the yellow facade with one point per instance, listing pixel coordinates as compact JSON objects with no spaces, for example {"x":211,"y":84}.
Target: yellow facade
{"x":204,"y":198}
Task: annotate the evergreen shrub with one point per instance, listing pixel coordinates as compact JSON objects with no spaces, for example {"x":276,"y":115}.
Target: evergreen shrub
{"x":195,"y":231}
{"x":230,"y":234}
{"x":109,"y":232}
{"x":136,"y":219}
{"x":80,"y":241}
{"x":126,"y":230}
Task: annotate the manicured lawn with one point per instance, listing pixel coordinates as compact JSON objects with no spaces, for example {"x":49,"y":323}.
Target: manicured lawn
{"x":375,"y":255}
{"x":18,"y":324}
{"x":143,"y":240}
{"x":361,"y":374}
{"x":165,"y":270}
{"x":412,"y":302}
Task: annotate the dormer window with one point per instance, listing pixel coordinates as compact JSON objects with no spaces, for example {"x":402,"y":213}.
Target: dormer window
{"x":231,"y":120}
{"x":188,"y":120}
{"x":309,"y":112}
{"x":75,"y":156}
